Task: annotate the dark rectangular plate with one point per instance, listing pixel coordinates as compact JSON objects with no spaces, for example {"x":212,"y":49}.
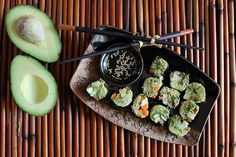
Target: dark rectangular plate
{"x":88,"y":71}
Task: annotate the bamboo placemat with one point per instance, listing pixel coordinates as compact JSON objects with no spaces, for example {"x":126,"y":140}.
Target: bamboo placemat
{"x":72,"y":129}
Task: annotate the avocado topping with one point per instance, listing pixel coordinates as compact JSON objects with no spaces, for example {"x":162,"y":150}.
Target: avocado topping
{"x":97,"y":89}
{"x":123,"y":98}
{"x":151,"y":86}
{"x":179,"y":80}
{"x":169,"y":97}
{"x":159,"y":114}
{"x":178,"y":126}
{"x":158,"y":67}
{"x":195,"y":92}
{"x":188,"y":110}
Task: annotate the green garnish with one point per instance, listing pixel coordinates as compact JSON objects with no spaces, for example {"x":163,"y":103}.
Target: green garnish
{"x":169,"y":97}
{"x":188,"y":110}
{"x":97,"y":89}
{"x":159,"y":112}
{"x":179,"y":80}
{"x":158,"y":67}
{"x":195,"y":92}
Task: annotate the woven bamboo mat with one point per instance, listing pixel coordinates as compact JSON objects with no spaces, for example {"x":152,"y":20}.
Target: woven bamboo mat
{"x":72,"y":129}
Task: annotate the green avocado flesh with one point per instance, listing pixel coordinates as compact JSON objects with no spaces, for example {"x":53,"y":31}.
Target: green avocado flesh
{"x":179,"y":80}
{"x":33,"y":87}
{"x":97,"y":89}
{"x":151,"y":86}
{"x":159,"y":112}
{"x":188,"y":110}
{"x":32,"y":31}
{"x":169,"y":97}
{"x":178,"y":126}
{"x":123,"y":98}
{"x":159,"y":66}
{"x":195,"y":92}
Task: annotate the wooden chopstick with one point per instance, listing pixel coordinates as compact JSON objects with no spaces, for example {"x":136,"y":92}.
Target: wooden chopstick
{"x":88,"y":30}
{"x":97,"y":53}
{"x":120,"y":34}
{"x":176,"y":34}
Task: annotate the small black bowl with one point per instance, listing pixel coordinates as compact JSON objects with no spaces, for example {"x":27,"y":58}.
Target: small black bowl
{"x":122,"y":68}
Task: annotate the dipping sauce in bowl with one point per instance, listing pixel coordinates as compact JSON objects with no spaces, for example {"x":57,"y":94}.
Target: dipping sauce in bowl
{"x":123,"y":67}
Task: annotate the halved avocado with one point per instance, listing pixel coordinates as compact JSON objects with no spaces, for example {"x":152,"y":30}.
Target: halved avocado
{"x":32,"y":31}
{"x":33,"y":87}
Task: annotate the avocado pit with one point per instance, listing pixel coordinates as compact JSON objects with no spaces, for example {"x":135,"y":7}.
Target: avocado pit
{"x":30,"y":29}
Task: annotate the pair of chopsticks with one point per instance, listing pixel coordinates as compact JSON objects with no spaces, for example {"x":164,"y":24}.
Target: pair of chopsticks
{"x":98,"y":53}
{"x":161,"y":40}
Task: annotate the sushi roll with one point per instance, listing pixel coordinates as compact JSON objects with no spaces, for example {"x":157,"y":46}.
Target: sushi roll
{"x":140,"y":106}
{"x":169,"y":97}
{"x":159,"y":114}
{"x":188,"y":110}
{"x":178,"y":126}
{"x":195,"y":92}
{"x":151,"y":86}
{"x":158,"y":66}
{"x":97,"y":89}
{"x":123,"y":98}
{"x":179,"y":80}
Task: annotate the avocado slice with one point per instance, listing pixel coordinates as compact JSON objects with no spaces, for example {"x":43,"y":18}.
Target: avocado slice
{"x":34,"y":88}
{"x":32,"y":31}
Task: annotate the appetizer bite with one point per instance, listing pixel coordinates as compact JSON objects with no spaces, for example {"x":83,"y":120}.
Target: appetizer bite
{"x":169,"y":97}
{"x":158,"y":67}
{"x":178,"y":126}
{"x":195,"y":92}
{"x":97,"y":89}
{"x":140,"y":106}
{"x":179,"y":80}
{"x":151,"y":86}
{"x":159,"y":114}
{"x":188,"y":110}
{"x":123,"y":98}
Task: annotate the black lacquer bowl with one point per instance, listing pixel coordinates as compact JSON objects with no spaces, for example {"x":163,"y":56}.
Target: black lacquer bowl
{"x":123,"y":67}
{"x":89,"y":70}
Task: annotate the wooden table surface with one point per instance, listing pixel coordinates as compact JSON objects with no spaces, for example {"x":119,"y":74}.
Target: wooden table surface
{"x":72,"y":129}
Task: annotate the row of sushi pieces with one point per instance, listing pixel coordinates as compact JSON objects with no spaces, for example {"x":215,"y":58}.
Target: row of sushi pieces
{"x":179,"y":81}
{"x":170,"y":96}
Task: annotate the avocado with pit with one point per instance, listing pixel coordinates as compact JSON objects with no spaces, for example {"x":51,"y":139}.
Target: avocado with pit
{"x":32,"y":31}
{"x":33,"y":87}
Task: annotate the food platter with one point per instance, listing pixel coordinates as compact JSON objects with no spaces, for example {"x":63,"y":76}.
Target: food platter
{"x":89,"y":70}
